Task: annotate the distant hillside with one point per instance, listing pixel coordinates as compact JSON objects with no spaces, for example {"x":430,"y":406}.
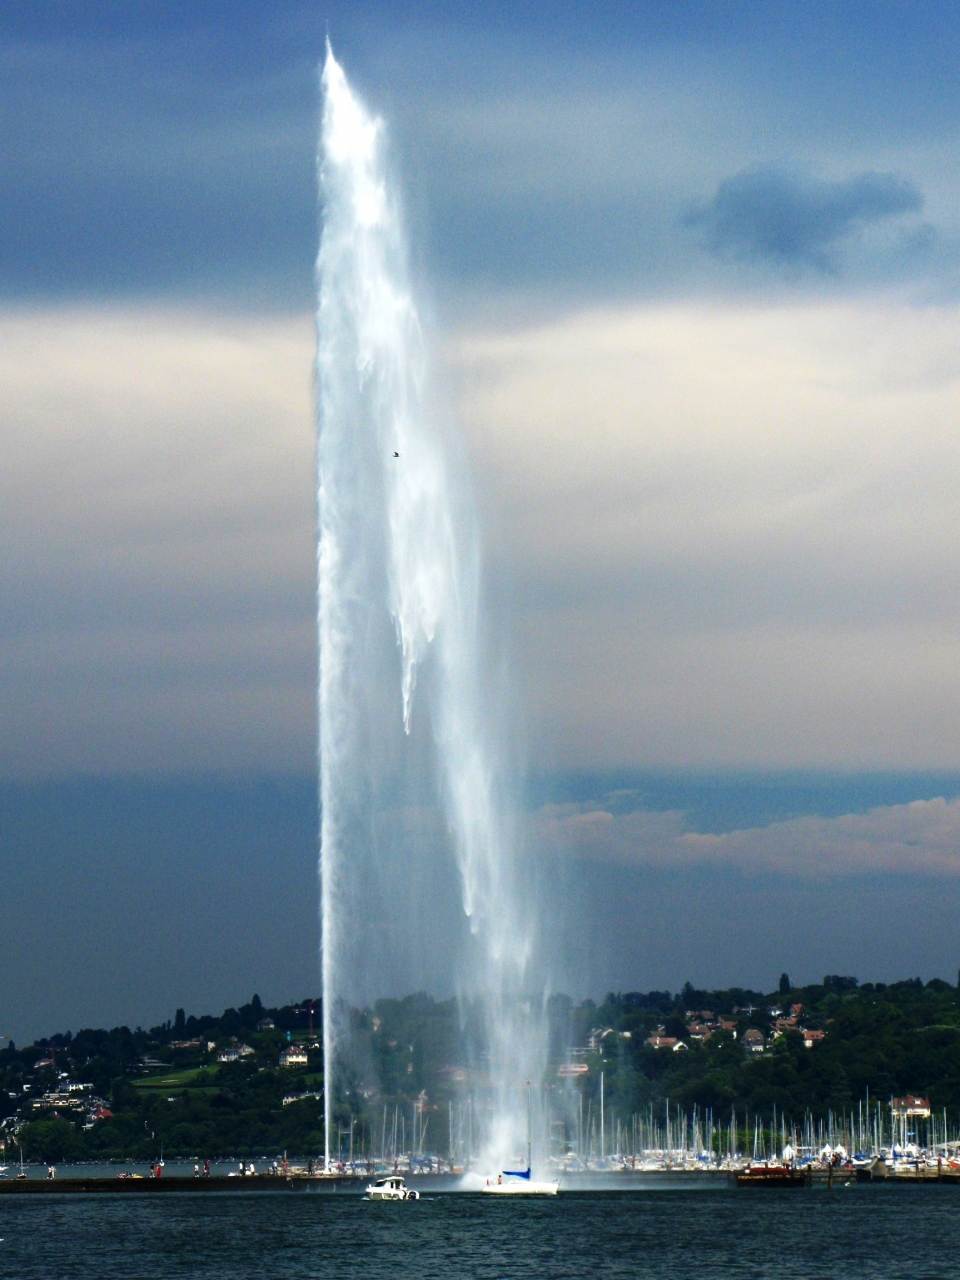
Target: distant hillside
{"x":214,"y":1086}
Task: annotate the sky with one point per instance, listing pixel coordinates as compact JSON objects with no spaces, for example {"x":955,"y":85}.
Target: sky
{"x":690,"y":275}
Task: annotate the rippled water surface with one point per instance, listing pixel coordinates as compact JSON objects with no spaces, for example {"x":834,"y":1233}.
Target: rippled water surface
{"x":853,"y":1232}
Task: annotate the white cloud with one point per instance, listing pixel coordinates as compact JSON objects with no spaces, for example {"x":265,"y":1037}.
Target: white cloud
{"x":721,"y":535}
{"x":730,"y":530}
{"x":918,"y":838}
{"x":156,"y":540}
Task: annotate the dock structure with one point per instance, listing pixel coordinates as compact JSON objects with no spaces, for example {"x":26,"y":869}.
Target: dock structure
{"x":880,"y":1171}
{"x":324,"y":1183}
{"x":779,"y":1176}
{"x":356,"y":1184}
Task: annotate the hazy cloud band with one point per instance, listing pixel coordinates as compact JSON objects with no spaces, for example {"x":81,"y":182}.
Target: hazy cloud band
{"x":918,"y":838}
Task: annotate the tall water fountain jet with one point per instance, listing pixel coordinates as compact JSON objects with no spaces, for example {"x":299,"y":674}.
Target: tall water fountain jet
{"x":398,"y":586}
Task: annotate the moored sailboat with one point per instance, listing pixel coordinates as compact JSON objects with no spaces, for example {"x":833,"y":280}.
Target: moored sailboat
{"x":519,"y":1182}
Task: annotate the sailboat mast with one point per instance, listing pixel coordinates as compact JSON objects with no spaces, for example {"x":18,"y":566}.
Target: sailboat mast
{"x":529,"y":1165}
{"x":602,"y":1138}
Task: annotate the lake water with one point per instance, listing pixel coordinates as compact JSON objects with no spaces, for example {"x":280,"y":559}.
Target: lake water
{"x":857,"y":1233}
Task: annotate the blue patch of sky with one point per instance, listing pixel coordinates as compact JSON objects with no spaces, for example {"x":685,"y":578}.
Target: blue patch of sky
{"x":161,"y":147}
{"x":644,"y":928}
{"x":146,"y":156}
{"x":127,"y":897}
{"x":718,"y":801}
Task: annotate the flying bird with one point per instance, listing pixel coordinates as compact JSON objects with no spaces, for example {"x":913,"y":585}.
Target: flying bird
{"x":395,"y":454}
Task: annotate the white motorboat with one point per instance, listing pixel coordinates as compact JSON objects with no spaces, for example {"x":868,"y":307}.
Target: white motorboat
{"x":391,"y":1188}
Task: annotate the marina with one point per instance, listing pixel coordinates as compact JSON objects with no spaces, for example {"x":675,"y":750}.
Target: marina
{"x":106,"y":1180}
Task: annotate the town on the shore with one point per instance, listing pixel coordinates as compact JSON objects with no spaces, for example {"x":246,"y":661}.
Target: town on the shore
{"x":834,"y":1075}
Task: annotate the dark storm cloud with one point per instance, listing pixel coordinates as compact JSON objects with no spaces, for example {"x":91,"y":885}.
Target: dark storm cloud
{"x":773,"y":215}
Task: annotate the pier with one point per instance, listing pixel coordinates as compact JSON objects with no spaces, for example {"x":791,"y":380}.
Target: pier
{"x":590,"y":1182}
{"x":324,"y":1183}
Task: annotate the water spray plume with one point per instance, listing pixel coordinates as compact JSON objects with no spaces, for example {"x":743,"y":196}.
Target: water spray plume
{"x":397,"y":546}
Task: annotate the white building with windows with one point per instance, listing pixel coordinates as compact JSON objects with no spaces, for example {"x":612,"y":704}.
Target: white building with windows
{"x":293,"y":1056}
